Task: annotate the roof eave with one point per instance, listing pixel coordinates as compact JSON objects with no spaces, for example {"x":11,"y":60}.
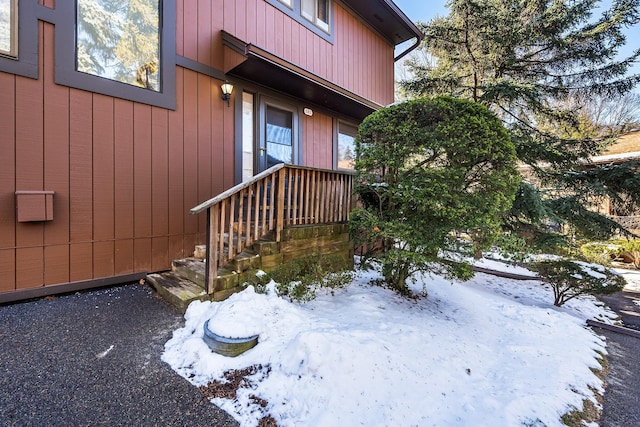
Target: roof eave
{"x":391,"y":22}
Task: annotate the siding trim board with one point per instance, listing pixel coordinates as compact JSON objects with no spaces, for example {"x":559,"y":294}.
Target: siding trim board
{"x":267,"y":69}
{"x":24,"y":294}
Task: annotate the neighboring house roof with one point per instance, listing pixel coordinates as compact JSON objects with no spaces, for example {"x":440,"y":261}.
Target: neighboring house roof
{"x":627,"y":147}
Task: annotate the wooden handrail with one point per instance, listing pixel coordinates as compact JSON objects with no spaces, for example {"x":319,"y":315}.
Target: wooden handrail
{"x":283,"y":195}
{"x":236,"y":189}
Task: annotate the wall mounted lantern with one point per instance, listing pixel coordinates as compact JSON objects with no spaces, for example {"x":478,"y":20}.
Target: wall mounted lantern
{"x":227,"y":88}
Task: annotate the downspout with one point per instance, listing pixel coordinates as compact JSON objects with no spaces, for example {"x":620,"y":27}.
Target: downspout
{"x":409,"y":49}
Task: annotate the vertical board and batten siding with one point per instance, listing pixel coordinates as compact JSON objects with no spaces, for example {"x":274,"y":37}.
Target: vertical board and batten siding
{"x":7,"y":183}
{"x":126,"y":174}
{"x":318,"y":128}
{"x":358,"y":60}
{"x":29,"y":100}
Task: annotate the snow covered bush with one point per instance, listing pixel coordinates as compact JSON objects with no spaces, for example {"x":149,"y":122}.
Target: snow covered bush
{"x":429,"y":172}
{"x":569,"y":279}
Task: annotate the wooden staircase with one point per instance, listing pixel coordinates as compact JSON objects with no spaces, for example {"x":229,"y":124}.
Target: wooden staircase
{"x":284,"y":213}
{"x":185,"y":282}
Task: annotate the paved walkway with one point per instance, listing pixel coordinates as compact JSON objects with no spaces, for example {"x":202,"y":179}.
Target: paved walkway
{"x":93,"y":358}
{"x":622,"y":396}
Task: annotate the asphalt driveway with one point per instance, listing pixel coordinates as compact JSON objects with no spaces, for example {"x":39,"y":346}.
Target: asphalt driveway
{"x":622,"y":396}
{"x":93,"y":358}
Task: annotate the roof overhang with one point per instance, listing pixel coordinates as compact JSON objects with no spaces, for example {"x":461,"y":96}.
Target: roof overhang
{"x":389,"y":21}
{"x":250,"y":62}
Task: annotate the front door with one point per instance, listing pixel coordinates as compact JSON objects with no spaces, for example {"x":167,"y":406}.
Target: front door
{"x":277,"y":139}
{"x":269,"y":134}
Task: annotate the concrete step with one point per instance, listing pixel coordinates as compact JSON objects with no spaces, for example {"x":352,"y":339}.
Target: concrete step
{"x":176,"y":290}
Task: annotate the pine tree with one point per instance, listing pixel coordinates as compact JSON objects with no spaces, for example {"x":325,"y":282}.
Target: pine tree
{"x":524,"y":60}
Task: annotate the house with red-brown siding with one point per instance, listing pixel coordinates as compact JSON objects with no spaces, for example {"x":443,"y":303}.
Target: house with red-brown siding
{"x":113,"y":122}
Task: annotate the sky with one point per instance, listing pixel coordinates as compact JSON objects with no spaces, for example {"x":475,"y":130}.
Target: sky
{"x":425,"y":10}
{"x":489,"y":351}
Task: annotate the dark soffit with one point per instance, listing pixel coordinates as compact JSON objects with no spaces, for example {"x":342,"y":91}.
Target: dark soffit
{"x":387,"y":18}
{"x":276,"y":73}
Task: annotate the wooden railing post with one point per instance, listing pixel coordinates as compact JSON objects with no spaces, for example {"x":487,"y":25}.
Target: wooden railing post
{"x":213,"y":214}
{"x":280,"y":195}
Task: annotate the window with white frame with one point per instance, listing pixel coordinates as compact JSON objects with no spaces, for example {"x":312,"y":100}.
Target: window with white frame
{"x":120,"y":40}
{"x":9,"y":28}
{"x":316,"y":11}
{"x":314,"y":14}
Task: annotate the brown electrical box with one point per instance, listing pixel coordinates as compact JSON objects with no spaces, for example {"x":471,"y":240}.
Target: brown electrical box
{"x":34,"y":205}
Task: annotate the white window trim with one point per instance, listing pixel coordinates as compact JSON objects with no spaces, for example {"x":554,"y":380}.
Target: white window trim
{"x":315,"y":19}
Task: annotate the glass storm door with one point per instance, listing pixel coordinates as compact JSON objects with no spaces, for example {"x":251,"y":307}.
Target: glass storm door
{"x":278,"y":142}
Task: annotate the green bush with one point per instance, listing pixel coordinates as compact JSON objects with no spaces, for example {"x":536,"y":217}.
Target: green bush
{"x":598,"y":252}
{"x":300,"y":279}
{"x":512,"y":247}
{"x":430,"y":170}
{"x":629,"y":251}
{"x":569,"y":279}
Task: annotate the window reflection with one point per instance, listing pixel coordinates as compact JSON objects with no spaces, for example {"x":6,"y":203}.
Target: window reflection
{"x":120,"y":40}
{"x":279,"y":136}
{"x":9,"y":27}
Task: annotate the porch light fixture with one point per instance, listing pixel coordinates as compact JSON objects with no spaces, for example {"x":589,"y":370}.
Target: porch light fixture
{"x":227,"y":88}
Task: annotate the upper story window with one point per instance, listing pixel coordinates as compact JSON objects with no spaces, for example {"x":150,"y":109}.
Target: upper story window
{"x":120,"y":40}
{"x":316,"y":11}
{"x":9,"y":28}
{"x":313,"y":14}
{"x":119,"y":48}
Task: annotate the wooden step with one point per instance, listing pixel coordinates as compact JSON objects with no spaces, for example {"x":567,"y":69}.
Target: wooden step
{"x":176,"y":290}
{"x":246,"y":260}
{"x":192,"y":269}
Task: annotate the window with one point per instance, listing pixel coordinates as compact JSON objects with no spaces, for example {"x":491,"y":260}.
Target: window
{"x":248,"y":135}
{"x":345,"y":146}
{"x":279,"y":136}
{"x":19,"y":37}
{"x":120,"y":40}
{"x":313,"y":14}
{"x":277,"y":133}
{"x":120,"y":48}
{"x":9,"y":28}
{"x":316,"y":11}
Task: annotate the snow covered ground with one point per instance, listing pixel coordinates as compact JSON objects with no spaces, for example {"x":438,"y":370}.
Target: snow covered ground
{"x":487,"y":352}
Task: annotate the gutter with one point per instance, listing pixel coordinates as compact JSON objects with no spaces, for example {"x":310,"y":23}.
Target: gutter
{"x":409,"y":49}
{"x":409,"y":24}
